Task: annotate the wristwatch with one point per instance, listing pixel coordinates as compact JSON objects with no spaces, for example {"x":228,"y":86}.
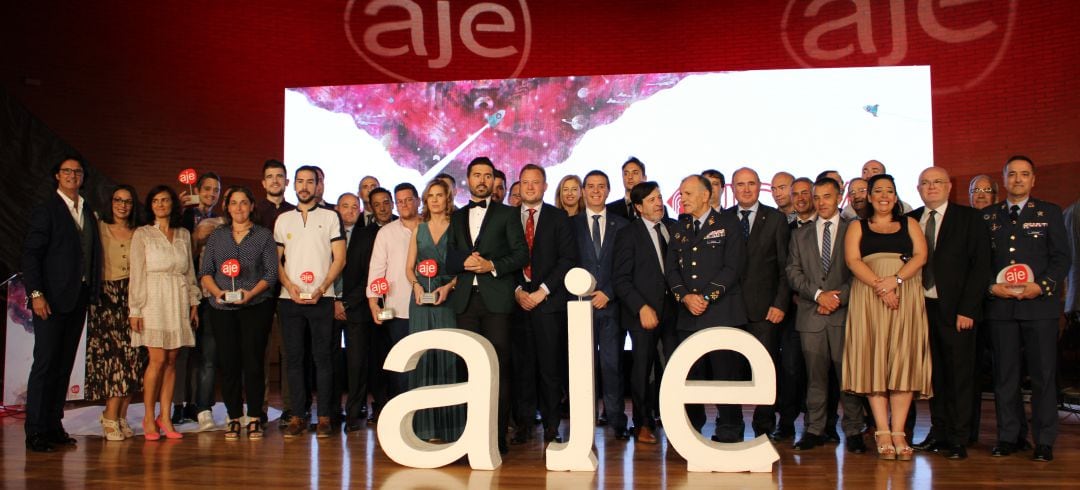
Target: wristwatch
{"x":899,"y":280}
{"x":35,"y":294}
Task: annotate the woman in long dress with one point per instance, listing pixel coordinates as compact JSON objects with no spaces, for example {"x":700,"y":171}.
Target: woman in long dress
{"x":114,"y":367}
{"x":886,"y":349}
{"x":163,"y":298}
{"x":443,"y":424}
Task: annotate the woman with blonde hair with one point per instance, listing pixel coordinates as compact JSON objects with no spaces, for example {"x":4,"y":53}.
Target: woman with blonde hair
{"x":568,"y":195}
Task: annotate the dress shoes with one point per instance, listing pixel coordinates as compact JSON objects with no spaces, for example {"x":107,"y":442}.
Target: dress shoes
{"x":646,"y":435}
{"x":61,"y":438}
{"x":855,"y":444}
{"x":522,"y":436}
{"x":601,"y":420}
{"x":956,"y":452}
{"x":622,"y":434}
{"x":354,"y":425}
{"x":782,"y":434}
{"x":373,"y":418}
{"x":727,"y":439}
{"x":831,"y":436}
{"x":551,"y":434}
{"x":1043,"y":453}
{"x":930,"y":444}
{"x":38,"y":443}
{"x":1003,"y":449}
{"x":809,"y":441}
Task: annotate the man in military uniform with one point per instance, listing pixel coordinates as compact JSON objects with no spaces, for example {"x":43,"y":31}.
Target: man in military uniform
{"x":703,"y":267}
{"x":1025,"y":230}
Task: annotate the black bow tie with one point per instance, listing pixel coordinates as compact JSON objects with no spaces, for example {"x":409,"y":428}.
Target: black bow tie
{"x":476,"y":204}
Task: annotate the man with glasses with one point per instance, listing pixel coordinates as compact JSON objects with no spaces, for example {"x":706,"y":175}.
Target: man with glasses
{"x":982,"y":191}
{"x":62,"y":271}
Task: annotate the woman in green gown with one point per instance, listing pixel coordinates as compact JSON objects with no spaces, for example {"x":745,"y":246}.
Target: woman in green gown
{"x":443,"y":424}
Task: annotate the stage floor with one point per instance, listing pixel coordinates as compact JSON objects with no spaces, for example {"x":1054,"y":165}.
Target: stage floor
{"x":355,"y":461}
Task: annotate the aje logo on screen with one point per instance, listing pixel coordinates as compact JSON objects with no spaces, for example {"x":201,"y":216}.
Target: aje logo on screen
{"x":972,"y":34}
{"x":410,"y":40}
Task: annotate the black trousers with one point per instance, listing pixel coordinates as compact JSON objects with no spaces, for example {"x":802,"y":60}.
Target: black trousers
{"x":492,"y":326}
{"x":537,"y":345}
{"x":56,"y":341}
{"x":953,"y":355}
{"x":723,"y":365}
{"x":357,"y":351}
{"x":646,"y":369}
{"x":790,"y":373}
{"x":1039,"y":339}
{"x":733,"y":366}
{"x":241,"y":337}
{"x":318,"y":320}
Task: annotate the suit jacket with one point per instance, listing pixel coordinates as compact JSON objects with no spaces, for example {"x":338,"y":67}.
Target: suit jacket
{"x":1038,"y":240}
{"x":554,"y":253}
{"x":806,"y":277}
{"x":618,"y":208}
{"x":764,"y":282}
{"x":354,"y":276}
{"x":961,"y":261}
{"x":52,"y":258}
{"x":600,"y":267}
{"x":637,"y":276}
{"x":1072,"y":228}
{"x":710,"y":264}
{"x":501,"y":240}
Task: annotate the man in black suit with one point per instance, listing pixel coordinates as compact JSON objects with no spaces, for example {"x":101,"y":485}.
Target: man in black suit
{"x":647,"y":308}
{"x":633,"y":172}
{"x":62,"y":272}
{"x":540,"y":340}
{"x":358,"y":345}
{"x":703,"y":265}
{"x":597,"y":230}
{"x":765,"y":290}
{"x":1025,"y":230}
{"x":486,"y":249}
{"x":954,"y":280}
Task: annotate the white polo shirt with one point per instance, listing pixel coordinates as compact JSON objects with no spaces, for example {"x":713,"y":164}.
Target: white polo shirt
{"x":307,"y":246}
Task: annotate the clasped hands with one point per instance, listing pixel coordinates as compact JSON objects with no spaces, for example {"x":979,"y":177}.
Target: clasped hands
{"x":478,"y":265}
{"x":1005,"y":290}
{"x":885,"y":288}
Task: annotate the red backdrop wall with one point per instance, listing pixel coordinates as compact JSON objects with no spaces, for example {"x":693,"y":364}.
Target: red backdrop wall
{"x":144,"y":89}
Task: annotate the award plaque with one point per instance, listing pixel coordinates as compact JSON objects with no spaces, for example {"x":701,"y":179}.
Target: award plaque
{"x":1016,"y":277}
{"x":381,"y":287}
{"x":428,"y":268}
{"x":231,"y":268}
{"x":307,"y":277}
{"x":189,"y":176}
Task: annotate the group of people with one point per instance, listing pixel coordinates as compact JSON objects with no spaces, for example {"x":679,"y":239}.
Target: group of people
{"x":868,"y":306}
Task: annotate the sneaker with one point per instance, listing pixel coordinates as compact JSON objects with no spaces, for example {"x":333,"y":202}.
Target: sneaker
{"x":206,"y":421}
{"x":295,"y":428}
{"x":323,"y":429}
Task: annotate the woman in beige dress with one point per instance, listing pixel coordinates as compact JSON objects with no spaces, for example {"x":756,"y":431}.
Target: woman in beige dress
{"x":886,"y":348}
{"x":163,"y":298}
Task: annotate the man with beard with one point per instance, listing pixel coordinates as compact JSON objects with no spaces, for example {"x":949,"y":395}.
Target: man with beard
{"x":857,"y":199}
{"x":498,"y":192}
{"x":485,"y":265}
{"x":781,"y":192}
{"x":311,"y":254}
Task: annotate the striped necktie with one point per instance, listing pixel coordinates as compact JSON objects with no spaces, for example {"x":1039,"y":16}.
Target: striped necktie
{"x":826,"y":248}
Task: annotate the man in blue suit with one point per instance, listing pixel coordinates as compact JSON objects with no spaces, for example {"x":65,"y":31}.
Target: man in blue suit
{"x":62,"y":272}
{"x":596,"y":230}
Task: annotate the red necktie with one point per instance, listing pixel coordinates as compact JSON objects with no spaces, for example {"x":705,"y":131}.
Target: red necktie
{"x":530,"y":231}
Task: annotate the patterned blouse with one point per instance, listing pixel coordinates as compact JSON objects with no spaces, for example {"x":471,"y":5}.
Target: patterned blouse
{"x":257,"y":254}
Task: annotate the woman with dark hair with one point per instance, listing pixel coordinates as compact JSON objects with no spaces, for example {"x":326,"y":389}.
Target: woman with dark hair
{"x":886,"y":346}
{"x":162,"y":299}
{"x":443,"y":424}
{"x":114,"y":366}
{"x":241,"y":325}
{"x":568,"y":195}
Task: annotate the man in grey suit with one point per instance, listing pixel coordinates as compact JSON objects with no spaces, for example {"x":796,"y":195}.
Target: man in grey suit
{"x":817,"y":272}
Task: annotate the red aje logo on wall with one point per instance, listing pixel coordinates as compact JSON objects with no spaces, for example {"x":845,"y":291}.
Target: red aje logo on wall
{"x":838,"y":33}
{"x":409,"y":40}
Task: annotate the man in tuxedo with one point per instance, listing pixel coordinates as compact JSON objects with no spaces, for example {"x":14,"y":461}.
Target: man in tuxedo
{"x":765,"y":290}
{"x":62,"y":272}
{"x":954,"y":281}
{"x":820,"y":278}
{"x":703,"y":266}
{"x":647,"y":308}
{"x":596,"y":231}
{"x":633,"y":172}
{"x":1029,"y":231}
{"x":486,"y":249}
{"x":539,"y":342}
{"x":363,"y":360}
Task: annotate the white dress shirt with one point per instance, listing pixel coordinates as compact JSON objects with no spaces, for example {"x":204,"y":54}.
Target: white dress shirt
{"x":932,"y":292}
{"x":753,"y":214}
{"x":819,"y":225}
{"x":74,"y":208}
{"x":651,"y":228}
{"x":603,"y":222}
{"x":388,"y":257}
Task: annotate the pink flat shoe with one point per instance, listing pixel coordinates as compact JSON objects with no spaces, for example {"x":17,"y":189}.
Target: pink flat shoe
{"x":169,"y":434}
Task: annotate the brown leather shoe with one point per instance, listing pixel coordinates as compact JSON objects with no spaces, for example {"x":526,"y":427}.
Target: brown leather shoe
{"x":645,"y":435}
{"x":323,"y":429}
{"x":295,"y":428}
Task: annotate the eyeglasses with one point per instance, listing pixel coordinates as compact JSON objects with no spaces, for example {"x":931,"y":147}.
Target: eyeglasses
{"x":983,"y":190}
{"x":936,"y":182}
{"x":72,"y":171}
{"x":123,"y":202}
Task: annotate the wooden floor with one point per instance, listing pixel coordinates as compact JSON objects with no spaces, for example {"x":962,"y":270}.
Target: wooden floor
{"x":355,"y":461}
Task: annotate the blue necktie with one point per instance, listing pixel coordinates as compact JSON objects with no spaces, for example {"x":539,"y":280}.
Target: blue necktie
{"x":596,"y":234}
{"x":745,"y":223}
{"x":826,"y":248}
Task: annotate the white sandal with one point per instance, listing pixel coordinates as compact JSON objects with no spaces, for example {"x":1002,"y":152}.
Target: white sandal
{"x":126,"y":429}
{"x":111,"y":429}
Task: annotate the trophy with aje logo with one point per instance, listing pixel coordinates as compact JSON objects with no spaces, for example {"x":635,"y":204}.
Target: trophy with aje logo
{"x":306,"y":277}
{"x":381,"y":288}
{"x":231,"y":268}
{"x":188,"y":176}
{"x":1016,"y":277}
{"x":428,"y":268}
